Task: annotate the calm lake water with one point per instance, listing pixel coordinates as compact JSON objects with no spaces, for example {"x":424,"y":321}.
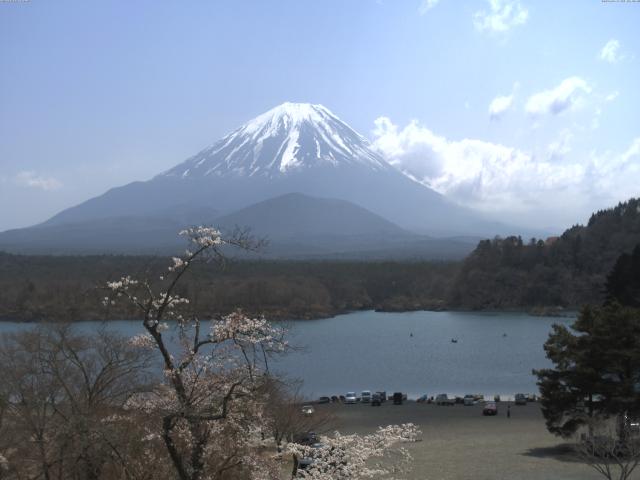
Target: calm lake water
{"x":409,"y":352}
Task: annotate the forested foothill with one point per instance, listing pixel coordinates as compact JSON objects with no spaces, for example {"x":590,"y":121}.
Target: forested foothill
{"x":567,"y":271}
{"x":543,"y":276}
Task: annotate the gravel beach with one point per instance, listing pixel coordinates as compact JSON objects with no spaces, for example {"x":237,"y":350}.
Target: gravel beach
{"x":459,"y":443}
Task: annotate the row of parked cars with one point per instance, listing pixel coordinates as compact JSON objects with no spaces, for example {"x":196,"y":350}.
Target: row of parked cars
{"x":376,"y":398}
{"x":471,"y":399}
{"x":366,"y":396}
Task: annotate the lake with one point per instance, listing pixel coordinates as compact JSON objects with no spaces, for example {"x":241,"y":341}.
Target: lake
{"x":410,"y":352}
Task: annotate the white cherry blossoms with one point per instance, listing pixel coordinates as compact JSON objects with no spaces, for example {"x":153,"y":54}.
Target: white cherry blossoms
{"x":343,"y":457}
{"x":239,"y":327}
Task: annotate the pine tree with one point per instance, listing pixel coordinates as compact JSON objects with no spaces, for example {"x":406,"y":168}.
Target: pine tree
{"x":596,"y":369}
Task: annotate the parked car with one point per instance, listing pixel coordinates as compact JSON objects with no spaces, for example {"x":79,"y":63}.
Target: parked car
{"x":305,"y":438}
{"x":343,"y":399}
{"x":308,"y":410}
{"x":397,"y":398}
{"x":490,"y":408}
{"x":469,"y":400}
{"x":375,"y":400}
{"x":350,"y":398}
{"x":365,"y":397}
{"x":632,"y":424}
{"x":531,"y":397}
{"x":443,"y":399}
{"x":423,"y":398}
{"x":335,"y":399}
{"x":521,"y":399}
{"x":383,"y":396}
{"x":305,"y":462}
{"x":324,"y":400}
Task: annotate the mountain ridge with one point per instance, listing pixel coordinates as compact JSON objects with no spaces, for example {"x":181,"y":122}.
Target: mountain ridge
{"x":291,"y":148}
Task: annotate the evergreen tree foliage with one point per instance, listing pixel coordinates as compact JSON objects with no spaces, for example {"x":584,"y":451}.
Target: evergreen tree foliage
{"x":623,"y":283}
{"x":566,"y":271}
{"x":596,"y":368}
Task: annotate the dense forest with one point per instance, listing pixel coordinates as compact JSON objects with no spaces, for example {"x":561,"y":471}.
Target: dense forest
{"x":567,"y":271}
{"x":68,"y":287}
{"x":540,"y":276}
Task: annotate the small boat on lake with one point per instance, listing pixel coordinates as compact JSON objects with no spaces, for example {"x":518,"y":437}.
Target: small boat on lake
{"x":454,"y":340}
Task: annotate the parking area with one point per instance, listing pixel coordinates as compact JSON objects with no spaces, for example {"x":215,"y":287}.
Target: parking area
{"x":459,"y":443}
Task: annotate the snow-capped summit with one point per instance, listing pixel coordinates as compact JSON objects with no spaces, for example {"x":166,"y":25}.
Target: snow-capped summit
{"x":287,"y":138}
{"x":293,"y":148}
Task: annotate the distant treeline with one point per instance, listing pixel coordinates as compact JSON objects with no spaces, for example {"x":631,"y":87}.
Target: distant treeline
{"x":503,"y":273}
{"x":68,"y":287}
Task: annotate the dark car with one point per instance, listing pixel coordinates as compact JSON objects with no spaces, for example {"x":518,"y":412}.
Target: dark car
{"x":375,"y":400}
{"x":397,"y":398}
{"x":305,"y":462}
{"x":335,"y":399}
{"x":490,"y":408}
{"x":305,"y":438}
{"x":383,"y":396}
{"x":324,"y":400}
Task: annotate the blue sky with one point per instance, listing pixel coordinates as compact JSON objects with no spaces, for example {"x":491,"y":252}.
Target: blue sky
{"x":526,"y":110}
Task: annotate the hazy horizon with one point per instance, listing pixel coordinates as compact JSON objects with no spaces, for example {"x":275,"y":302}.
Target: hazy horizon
{"x":518,"y":109}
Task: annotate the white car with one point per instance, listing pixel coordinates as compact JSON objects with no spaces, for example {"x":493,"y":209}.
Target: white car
{"x":307,"y":410}
{"x":350,"y":397}
{"x":443,"y":399}
{"x":365,"y":397}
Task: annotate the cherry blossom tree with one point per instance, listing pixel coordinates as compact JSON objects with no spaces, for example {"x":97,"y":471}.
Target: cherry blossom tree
{"x":212,"y":410}
{"x":210,"y":406}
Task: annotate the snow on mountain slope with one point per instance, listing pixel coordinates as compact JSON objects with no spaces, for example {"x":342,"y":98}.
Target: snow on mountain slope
{"x":295,"y":147}
{"x":287,"y":138}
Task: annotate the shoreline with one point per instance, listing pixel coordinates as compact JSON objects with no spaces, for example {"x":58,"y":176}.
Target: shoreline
{"x":546,"y":312}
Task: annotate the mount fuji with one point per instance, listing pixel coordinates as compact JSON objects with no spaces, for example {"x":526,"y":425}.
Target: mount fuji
{"x":293,"y":148}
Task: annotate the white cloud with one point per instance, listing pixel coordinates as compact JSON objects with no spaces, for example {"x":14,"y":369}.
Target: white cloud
{"x":558,"y":99}
{"x":427,"y":5}
{"x":617,"y":174}
{"x":32,"y":180}
{"x":499,"y":106}
{"x":503,"y":15}
{"x":497,"y":178}
{"x":612,"y":96}
{"x":611,"y":51}
{"x":561,"y":146}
